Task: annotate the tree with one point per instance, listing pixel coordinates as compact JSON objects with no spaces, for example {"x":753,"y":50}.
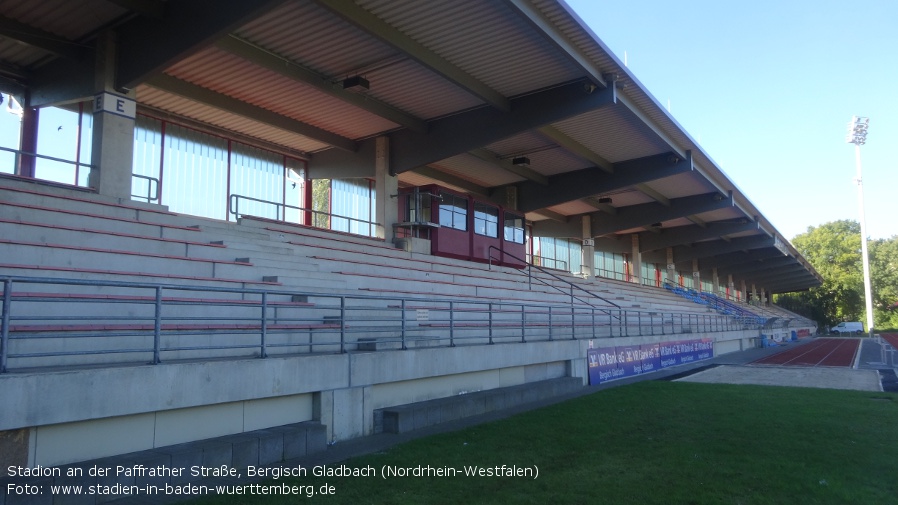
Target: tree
{"x":884,"y":280}
{"x":834,"y":250}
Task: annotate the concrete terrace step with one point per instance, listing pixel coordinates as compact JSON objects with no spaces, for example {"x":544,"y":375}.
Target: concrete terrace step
{"x":415,"y":416}
{"x":68,"y":272}
{"x":93,"y":220}
{"x":70,"y":198}
{"x":68,"y":255}
{"x":49,"y":233}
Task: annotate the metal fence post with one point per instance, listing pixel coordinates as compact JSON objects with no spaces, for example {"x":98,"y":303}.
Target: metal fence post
{"x":593,"y":322}
{"x":451,"y":324}
{"x":491,"y":322}
{"x":342,"y":324}
{"x":157,"y":327}
{"x":573,"y":319}
{"x":263,"y":351}
{"x":402,"y":324}
{"x":4,"y":336}
{"x":550,"y":323}
{"x":523,"y":325}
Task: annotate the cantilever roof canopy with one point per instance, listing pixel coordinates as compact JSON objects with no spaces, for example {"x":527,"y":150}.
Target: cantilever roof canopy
{"x":461,"y":88}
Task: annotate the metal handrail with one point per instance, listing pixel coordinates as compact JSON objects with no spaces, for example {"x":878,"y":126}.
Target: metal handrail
{"x":555,"y":261}
{"x":543,"y":270}
{"x":152,"y":196}
{"x":263,"y":322}
{"x":18,"y":153}
{"x":234,"y":209}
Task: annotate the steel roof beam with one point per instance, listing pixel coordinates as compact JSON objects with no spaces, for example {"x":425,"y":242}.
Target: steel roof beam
{"x":604,"y":207}
{"x":720,"y":247}
{"x":508,"y":166}
{"x":679,"y":235}
{"x":735,"y":258}
{"x":578,"y":149}
{"x":759,"y":265}
{"x":560,"y":228}
{"x":224,"y":102}
{"x":549,"y":31}
{"x":386,"y":33}
{"x":45,"y":41}
{"x":473,"y":129}
{"x":590,"y":181}
{"x":291,"y":70}
{"x":634,"y":216}
{"x":151,"y":8}
{"x":454,"y":180}
{"x":551,"y":215}
{"x":795,"y":276}
{"x":146,"y":46}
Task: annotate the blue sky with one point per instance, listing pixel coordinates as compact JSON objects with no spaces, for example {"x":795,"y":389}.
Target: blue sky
{"x":767,"y":88}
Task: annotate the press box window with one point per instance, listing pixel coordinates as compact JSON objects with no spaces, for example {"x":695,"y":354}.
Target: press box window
{"x":514,"y":228}
{"x":486,"y":220}
{"x":454,"y":212}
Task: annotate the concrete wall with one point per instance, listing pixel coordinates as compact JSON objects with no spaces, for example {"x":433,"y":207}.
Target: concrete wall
{"x":82,"y":414}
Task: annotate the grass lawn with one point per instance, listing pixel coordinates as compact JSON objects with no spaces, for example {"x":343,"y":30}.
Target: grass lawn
{"x":652,"y":442}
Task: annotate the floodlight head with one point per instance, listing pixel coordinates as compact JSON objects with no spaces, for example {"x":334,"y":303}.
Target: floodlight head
{"x":857,"y":130}
{"x":521,"y":161}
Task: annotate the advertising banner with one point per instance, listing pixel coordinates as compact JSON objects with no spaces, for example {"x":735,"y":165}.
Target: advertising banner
{"x":610,"y":363}
{"x":651,"y":357}
{"x":603,"y":365}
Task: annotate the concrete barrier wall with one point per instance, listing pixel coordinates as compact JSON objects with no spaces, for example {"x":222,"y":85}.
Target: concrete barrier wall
{"x":81,"y":414}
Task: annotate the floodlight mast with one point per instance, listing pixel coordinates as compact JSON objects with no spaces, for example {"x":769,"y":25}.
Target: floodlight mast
{"x":857,"y":135}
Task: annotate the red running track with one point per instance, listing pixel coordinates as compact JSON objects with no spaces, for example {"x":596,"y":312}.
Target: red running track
{"x":821,"y":352}
{"x":891,"y":338}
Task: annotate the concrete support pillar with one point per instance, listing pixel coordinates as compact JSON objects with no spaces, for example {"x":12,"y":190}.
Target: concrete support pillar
{"x":386,"y":186}
{"x":635,"y":259}
{"x":715,"y":281}
{"x":731,"y":287}
{"x":744,"y":291}
{"x":696,"y":275}
{"x":28,"y":140}
{"x":671,"y":267}
{"x":511,"y":198}
{"x":588,"y":250}
{"x":754,"y":293}
{"x":345,"y":412}
{"x":112,"y":154}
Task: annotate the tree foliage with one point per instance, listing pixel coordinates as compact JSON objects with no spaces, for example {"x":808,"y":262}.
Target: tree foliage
{"x":834,"y":250}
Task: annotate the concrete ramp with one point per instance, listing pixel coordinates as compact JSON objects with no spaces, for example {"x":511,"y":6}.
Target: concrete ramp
{"x":827,"y":378}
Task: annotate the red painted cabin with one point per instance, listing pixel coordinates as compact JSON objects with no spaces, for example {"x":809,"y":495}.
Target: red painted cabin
{"x":461,"y":226}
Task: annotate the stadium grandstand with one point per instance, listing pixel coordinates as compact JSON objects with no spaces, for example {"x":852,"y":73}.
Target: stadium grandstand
{"x":233,"y":231}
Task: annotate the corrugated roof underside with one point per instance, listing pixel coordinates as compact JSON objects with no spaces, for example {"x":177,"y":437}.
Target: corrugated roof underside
{"x":476,"y":170}
{"x":414,"y":179}
{"x":395,"y":79}
{"x":222,"y":119}
{"x":573,"y":208}
{"x":556,"y":161}
{"x":416,"y":90}
{"x":680,"y":185}
{"x":313,"y":37}
{"x":63,"y":18}
{"x":231,"y":75}
{"x":518,"y":60}
{"x":613,"y":133}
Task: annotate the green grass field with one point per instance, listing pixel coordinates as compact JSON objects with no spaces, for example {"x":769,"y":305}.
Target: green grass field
{"x":652,"y":443}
